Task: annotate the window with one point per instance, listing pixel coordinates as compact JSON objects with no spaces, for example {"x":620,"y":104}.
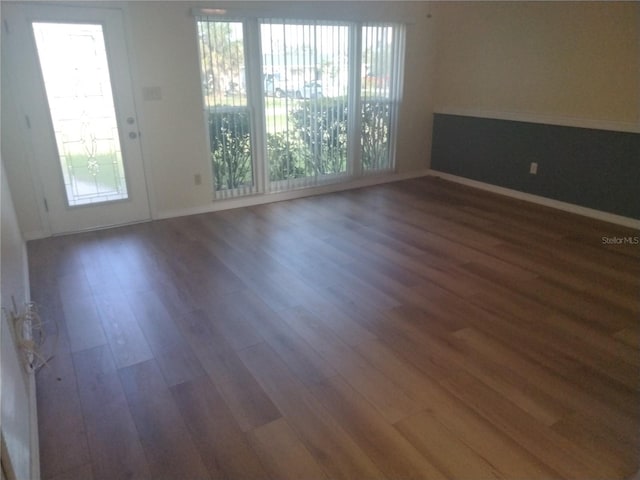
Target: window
{"x":381,"y":85}
{"x":325,"y":101}
{"x":306,"y":103}
{"x":227,"y":110}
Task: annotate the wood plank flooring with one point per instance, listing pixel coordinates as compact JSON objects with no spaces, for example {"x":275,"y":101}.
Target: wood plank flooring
{"x":415,"y":330}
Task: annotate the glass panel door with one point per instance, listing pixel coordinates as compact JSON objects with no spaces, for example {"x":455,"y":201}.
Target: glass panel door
{"x":68,"y":74}
{"x":74,"y":67}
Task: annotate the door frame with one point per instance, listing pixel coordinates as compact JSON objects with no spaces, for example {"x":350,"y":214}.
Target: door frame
{"x":39,"y":137}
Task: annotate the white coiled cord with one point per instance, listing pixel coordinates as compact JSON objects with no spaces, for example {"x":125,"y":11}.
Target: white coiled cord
{"x":31,"y":336}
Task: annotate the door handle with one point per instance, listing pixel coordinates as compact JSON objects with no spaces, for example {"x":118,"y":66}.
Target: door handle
{"x":133,"y":135}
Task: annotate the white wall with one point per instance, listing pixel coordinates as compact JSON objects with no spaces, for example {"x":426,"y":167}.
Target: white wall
{"x":575,"y":61}
{"x":163,"y":53}
{"x":18,"y":419}
{"x":555,"y":60}
{"x":17,"y":155}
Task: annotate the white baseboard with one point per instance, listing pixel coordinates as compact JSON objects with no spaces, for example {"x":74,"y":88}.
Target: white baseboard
{"x":259,"y":199}
{"x":35,"y":439}
{"x":35,"y":235}
{"x":548,"y":202}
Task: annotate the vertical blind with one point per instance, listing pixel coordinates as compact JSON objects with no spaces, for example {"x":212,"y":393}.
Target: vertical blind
{"x":306,"y":69}
{"x":328,"y":95}
{"x":381,"y":91}
{"x":227,"y":110}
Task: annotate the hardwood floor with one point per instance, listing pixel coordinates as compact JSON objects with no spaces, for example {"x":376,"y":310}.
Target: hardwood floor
{"x":415,"y":330}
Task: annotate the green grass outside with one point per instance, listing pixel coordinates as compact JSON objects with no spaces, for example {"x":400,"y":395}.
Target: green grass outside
{"x":106,"y":178}
{"x":275,"y":108}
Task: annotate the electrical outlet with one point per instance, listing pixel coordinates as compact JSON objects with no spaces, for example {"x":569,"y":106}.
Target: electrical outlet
{"x":533,"y":168}
{"x":197,"y":179}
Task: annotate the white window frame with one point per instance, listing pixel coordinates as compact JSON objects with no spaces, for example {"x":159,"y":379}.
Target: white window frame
{"x":256,"y":101}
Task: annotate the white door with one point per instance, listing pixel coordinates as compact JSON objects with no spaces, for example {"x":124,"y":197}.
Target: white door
{"x":70,"y":74}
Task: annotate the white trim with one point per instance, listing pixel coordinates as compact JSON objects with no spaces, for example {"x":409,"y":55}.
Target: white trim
{"x":254,"y":82}
{"x":547,"y":202}
{"x":138,"y":103}
{"x":35,"y":235}
{"x":251,"y":200}
{"x":298,"y":11}
{"x":38,"y":234}
{"x":25,"y":271}
{"x":33,"y":427}
{"x":259,"y":199}
{"x":34,"y":439}
{"x":559,"y":120}
{"x":6,"y":464}
{"x":371,"y":180}
{"x":354,"y":100}
{"x":399,"y":67}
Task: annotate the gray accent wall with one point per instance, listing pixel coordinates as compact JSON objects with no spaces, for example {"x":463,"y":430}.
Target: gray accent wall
{"x":598,"y":169}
